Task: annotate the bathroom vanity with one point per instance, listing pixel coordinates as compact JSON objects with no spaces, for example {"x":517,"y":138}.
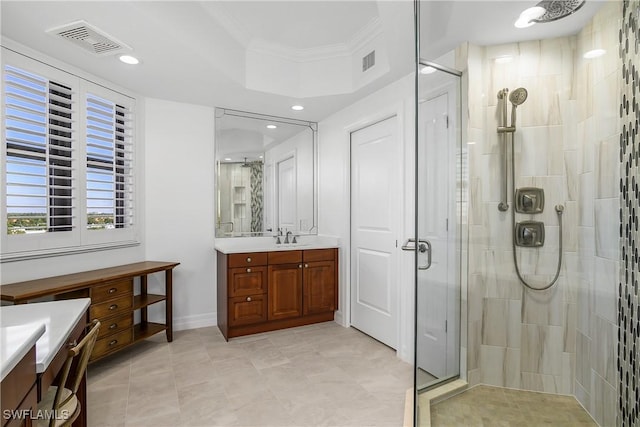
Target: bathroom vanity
{"x":275,"y":287}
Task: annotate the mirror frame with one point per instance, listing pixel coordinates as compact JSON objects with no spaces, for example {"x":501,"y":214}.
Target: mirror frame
{"x":313,"y":126}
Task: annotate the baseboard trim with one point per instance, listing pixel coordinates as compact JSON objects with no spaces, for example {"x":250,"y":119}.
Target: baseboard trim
{"x":195,"y":321}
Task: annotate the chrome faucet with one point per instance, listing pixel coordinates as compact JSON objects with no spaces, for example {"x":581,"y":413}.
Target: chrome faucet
{"x":277,"y":236}
{"x":286,"y":239}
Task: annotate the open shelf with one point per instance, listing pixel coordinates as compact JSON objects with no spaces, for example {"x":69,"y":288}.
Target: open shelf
{"x":141,"y":301}
{"x":146,"y":329}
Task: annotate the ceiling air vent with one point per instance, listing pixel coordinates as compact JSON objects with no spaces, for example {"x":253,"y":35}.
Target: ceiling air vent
{"x":368,"y":60}
{"x":89,"y":38}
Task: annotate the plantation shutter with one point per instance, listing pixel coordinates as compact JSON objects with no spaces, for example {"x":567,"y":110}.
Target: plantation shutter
{"x":109,"y":178}
{"x":40,"y":142}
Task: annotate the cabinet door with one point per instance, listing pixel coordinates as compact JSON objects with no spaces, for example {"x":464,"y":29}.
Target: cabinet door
{"x":285,"y":291}
{"x":319,"y":287}
{"x":247,"y":310}
{"x":247,"y":281}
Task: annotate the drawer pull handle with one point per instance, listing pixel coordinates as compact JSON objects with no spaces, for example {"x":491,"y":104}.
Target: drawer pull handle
{"x":113,"y":306}
{"x":248,"y":259}
{"x":112,"y":290}
{"x":248,"y":299}
{"x":299,"y":265}
{"x":113,"y":326}
{"x":248,"y":270}
{"x":306,"y":266}
{"x":114,"y":342}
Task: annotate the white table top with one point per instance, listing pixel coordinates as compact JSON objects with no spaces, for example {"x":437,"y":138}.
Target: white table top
{"x":234,"y":245}
{"x":15,"y":342}
{"x":58,"y":318}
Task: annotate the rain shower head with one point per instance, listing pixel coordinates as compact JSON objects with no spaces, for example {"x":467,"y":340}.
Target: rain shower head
{"x":518,"y":96}
{"x":558,"y":9}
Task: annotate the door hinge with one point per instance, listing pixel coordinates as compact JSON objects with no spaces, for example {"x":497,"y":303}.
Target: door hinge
{"x":446,"y":116}
{"x":447,"y":225}
{"x":446,"y":326}
{"x":396,"y":243}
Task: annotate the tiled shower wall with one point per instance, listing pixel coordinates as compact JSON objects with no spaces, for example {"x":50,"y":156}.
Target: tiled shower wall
{"x":598,"y":202}
{"x":561,"y":340}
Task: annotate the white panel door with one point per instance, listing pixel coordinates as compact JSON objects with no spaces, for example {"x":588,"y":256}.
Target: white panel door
{"x":375,"y":208}
{"x":287,"y":194}
{"x":434,"y":207}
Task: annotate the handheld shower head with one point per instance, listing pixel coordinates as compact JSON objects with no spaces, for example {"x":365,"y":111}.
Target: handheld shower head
{"x":517,"y":97}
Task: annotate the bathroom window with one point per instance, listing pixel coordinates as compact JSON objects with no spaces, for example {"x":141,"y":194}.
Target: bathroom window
{"x":68,"y":157}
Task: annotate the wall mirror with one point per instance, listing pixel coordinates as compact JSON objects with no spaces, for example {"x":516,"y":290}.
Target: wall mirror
{"x":265,"y":174}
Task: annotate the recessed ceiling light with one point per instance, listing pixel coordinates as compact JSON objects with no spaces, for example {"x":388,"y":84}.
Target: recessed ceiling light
{"x":504,"y":59}
{"x":297,"y":107}
{"x":272,"y":127}
{"x":261,"y":156}
{"x":427,"y":70}
{"x":595,"y":53}
{"x":128,"y":59}
{"x":227,"y":159}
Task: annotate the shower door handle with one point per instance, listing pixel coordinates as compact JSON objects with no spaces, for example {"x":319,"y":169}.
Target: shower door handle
{"x":425,"y":246}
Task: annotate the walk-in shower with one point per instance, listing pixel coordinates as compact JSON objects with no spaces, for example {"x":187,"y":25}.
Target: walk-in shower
{"x":527,"y":234}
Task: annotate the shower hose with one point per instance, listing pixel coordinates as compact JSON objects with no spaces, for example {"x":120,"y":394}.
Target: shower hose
{"x":559,"y":210}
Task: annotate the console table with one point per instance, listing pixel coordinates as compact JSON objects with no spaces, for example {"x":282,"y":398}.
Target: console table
{"x":113,"y":300}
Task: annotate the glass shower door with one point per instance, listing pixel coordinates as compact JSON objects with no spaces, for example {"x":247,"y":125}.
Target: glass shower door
{"x":439,"y":203}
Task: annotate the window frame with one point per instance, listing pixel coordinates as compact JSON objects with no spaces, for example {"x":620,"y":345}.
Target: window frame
{"x":14,"y":247}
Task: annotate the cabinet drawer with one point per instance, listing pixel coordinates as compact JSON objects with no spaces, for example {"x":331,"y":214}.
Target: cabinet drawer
{"x":111,"y":343}
{"x":113,"y":325}
{"x":285,"y":257}
{"x":111,"y":308}
{"x":319,"y":255}
{"x":247,"y":310}
{"x":247,"y":259}
{"x":111,"y":290}
{"x":247,"y":281}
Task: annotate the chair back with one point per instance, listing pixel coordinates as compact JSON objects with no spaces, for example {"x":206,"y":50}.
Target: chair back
{"x":83,"y":349}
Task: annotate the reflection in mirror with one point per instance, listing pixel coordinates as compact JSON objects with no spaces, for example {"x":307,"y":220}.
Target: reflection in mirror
{"x":265,"y":170}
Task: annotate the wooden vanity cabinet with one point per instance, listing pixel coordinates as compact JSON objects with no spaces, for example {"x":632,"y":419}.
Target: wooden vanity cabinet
{"x":285,"y":284}
{"x":265,"y":291}
{"x":320,"y":282}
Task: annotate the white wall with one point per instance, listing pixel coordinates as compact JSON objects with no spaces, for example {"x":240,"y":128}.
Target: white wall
{"x":334,"y":190}
{"x":179,"y":204}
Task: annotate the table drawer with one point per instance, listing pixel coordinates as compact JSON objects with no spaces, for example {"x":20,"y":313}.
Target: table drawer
{"x":247,"y":259}
{"x":112,"y":343}
{"x":113,"y":325}
{"x":111,"y":290}
{"x":111,"y":308}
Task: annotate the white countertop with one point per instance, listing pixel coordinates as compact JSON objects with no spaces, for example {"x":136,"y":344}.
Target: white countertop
{"x":233,"y":245}
{"x":58,"y":318}
{"x":15,"y":342}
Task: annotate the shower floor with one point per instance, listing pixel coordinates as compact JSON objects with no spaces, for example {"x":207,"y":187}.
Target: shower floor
{"x":494,"y":406}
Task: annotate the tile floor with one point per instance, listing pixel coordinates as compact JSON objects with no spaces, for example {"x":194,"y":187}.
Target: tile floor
{"x":493,"y":406}
{"x":317,"y":375}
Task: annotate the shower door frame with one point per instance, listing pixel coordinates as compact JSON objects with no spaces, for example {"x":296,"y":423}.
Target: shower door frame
{"x":461,"y":227}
